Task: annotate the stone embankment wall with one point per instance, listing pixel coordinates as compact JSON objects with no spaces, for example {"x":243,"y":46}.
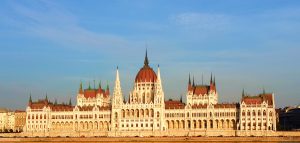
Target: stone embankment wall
{"x":157,"y":134}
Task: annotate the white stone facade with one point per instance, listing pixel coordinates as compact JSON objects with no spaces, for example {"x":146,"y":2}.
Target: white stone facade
{"x":7,"y":121}
{"x":146,"y":113}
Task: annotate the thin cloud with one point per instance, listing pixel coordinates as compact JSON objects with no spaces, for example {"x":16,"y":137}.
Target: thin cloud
{"x":201,"y":21}
{"x":56,"y":24}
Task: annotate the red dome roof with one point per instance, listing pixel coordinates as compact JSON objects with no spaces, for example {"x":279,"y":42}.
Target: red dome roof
{"x":146,"y":74}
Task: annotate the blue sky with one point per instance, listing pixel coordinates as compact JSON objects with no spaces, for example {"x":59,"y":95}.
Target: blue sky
{"x":50,"y":46}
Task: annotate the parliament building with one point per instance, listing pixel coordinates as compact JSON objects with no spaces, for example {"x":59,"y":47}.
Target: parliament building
{"x":99,"y":112}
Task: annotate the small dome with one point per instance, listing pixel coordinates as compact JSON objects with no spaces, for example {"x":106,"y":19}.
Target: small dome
{"x":146,"y":74}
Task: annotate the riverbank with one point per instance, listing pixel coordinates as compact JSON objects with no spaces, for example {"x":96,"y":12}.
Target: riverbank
{"x":155,"y":139}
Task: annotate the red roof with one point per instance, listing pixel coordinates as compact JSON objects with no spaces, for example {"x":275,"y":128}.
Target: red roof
{"x":61,"y":107}
{"x":201,"y":89}
{"x":174,"y":105}
{"x":39,"y":104}
{"x":92,"y":93}
{"x":258,"y":99}
{"x":146,"y":74}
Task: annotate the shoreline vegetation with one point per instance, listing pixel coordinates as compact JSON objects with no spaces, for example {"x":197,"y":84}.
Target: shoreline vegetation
{"x":151,"y":139}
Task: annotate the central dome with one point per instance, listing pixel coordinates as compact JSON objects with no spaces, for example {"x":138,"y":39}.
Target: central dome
{"x":146,"y":73}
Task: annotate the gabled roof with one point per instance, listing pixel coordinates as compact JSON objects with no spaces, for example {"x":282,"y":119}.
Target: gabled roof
{"x":92,"y":93}
{"x":61,"y":107}
{"x":174,"y":104}
{"x":267,"y":97}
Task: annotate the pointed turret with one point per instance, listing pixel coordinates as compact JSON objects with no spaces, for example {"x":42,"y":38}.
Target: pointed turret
{"x":99,"y":88}
{"x":214,"y":81}
{"x":107,"y":89}
{"x":107,"y":86}
{"x":70,"y":102}
{"x":90,"y":86}
{"x":211,"y":79}
{"x":189,"y":83}
{"x":146,"y":61}
{"x":158,"y":73}
{"x":243,"y":93}
{"x":55,"y":101}
{"x":30,"y":99}
{"x":117,"y":95}
{"x":159,"y":84}
{"x":181,"y":98}
{"x":100,"y":84}
{"x":80,"y":88}
{"x":46,"y":97}
{"x":264,"y":91}
{"x":189,"y":79}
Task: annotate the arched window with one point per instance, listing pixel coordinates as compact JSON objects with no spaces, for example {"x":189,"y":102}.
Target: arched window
{"x":116,"y":115}
{"x":123,"y":113}
{"x":157,"y":114}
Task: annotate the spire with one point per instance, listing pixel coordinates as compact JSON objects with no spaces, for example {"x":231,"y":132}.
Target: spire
{"x":211,"y":80}
{"x":100,"y":84}
{"x":117,"y":75}
{"x":158,"y":73}
{"x":70,"y":102}
{"x":107,"y":86}
{"x":55,"y":101}
{"x":189,"y":79}
{"x":46,"y":97}
{"x":30,"y":99}
{"x":181,"y":98}
{"x":117,"y":93}
{"x":146,"y":61}
{"x":214,"y":81}
{"x":243,"y":93}
{"x":89,"y":85}
{"x":80,"y":87}
{"x":264,"y":91}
